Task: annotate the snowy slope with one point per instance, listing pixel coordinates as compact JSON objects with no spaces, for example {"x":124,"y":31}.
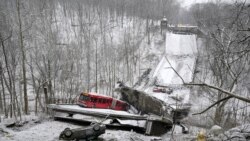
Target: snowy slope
{"x":180,"y":55}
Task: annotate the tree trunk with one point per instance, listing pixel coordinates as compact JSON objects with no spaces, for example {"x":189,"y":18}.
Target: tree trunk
{"x":147,"y":30}
{"x":1,"y":102}
{"x":26,"y":109}
{"x":51,"y":96}
{"x":45,"y":90}
{"x":3,"y":91}
{"x":96,"y":68}
{"x":9,"y":85}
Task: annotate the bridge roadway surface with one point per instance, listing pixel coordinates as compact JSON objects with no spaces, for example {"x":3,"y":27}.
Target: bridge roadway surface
{"x":76,"y":109}
{"x":180,"y":55}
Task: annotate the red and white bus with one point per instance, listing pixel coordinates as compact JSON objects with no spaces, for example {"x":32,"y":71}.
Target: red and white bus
{"x":94,"y":100}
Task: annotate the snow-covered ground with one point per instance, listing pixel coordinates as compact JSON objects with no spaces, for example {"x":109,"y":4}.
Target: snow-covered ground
{"x":49,"y":130}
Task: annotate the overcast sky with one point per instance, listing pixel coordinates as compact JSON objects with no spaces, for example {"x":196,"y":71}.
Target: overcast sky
{"x":188,"y":3}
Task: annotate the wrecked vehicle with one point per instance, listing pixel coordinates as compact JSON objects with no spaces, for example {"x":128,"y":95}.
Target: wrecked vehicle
{"x":162,"y":89}
{"x":89,"y":133}
{"x":159,"y":90}
{"x":94,"y":100}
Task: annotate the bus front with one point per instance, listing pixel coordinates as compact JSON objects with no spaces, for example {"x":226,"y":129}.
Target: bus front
{"x":83,"y":100}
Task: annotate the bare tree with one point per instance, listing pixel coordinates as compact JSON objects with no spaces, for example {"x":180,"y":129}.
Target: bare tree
{"x":228,"y":58}
{"x":26,"y":105}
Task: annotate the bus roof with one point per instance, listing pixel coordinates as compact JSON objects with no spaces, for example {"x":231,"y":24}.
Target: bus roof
{"x":101,"y":95}
{"x":96,"y":94}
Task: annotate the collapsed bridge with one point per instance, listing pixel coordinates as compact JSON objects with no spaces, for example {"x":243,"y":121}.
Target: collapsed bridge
{"x":180,"y":55}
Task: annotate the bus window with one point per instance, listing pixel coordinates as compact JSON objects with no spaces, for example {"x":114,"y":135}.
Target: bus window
{"x":104,"y":100}
{"x":99,"y":100}
{"x":84,"y":97}
{"x":92,"y":99}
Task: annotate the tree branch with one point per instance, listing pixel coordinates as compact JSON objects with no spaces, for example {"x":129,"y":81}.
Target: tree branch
{"x":219,"y":89}
{"x":175,"y":70}
{"x":231,"y":95}
{"x":217,"y":102}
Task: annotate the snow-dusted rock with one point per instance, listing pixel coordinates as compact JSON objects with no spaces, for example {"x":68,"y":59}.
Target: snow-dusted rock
{"x":2,"y":131}
{"x":236,"y":136}
{"x":216,"y":130}
{"x":240,"y":133}
{"x":234,"y":130}
{"x":214,"y":139}
{"x":245,"y":128}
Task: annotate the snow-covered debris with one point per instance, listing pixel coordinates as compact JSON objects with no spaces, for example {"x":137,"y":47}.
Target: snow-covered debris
{"x":143,"y":76}
{"x":240,"y":133}
{"x":216,"y":130}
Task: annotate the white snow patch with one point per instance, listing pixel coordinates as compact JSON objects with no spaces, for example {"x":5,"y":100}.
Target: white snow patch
{"x":50,"y":131}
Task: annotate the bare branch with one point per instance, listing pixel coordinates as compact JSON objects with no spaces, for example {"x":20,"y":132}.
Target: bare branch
{"x":175,"y":70}
{"x":217,"y":102}
{"x":219,"y":89}
{"x":231,"y":95}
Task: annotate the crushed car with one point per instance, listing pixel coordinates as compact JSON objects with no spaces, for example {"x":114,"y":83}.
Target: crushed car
{"x":89,"y":133}
{"x":162,"y":90}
